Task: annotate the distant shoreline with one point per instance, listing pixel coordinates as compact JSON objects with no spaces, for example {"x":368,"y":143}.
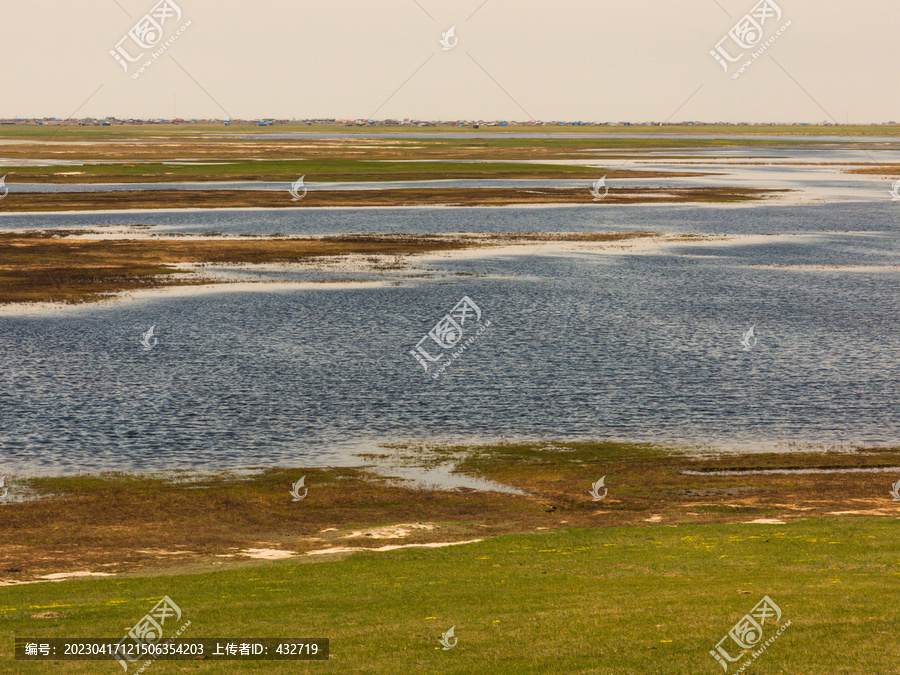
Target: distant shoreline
{"x":91,"y":126}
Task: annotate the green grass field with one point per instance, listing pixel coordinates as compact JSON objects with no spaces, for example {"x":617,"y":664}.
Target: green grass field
{"x":324,"y":170}
{"x":652,"y":599}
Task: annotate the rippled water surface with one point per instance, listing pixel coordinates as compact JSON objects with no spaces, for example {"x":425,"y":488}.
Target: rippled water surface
{"x":643,"y":346}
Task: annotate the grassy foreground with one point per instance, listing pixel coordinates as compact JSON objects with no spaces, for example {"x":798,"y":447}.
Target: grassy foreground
{"x":618,"y":600}
{"x":648,"y":580}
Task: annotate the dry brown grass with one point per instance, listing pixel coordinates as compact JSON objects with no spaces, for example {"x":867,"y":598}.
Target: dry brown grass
{"x":120,"y":523}
{"x":54,"y":266}
{"x":212,"y":199}
{"x":40,"y":267}
{"x":892,"y":170}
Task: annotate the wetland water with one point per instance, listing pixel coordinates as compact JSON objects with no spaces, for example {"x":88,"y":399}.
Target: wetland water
{"x":806,"y":175}
{"x":643,"y":346}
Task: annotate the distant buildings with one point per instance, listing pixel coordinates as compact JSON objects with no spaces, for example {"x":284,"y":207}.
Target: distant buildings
{"x":406,"y":122}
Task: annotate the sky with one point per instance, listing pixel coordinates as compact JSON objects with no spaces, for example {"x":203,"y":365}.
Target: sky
{"x":607,"y":61}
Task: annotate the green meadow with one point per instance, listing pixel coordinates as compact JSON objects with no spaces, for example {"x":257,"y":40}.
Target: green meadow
{"x":321,"y":170}
{"x":652,"y":599}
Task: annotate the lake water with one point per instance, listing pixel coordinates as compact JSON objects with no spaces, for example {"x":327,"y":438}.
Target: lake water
{"x":641,"y":347}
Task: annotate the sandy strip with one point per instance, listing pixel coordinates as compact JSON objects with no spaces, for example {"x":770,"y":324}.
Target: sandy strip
{"x":54,"y":309}
{"x":59,"y":576}
{"x":390,"y":547}
{"x":638,"y":246}
{"x":264,"y":209}
{"x":266,"y":554}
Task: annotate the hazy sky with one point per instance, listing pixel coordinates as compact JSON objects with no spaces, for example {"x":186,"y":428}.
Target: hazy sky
{"x":641,"y":60}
